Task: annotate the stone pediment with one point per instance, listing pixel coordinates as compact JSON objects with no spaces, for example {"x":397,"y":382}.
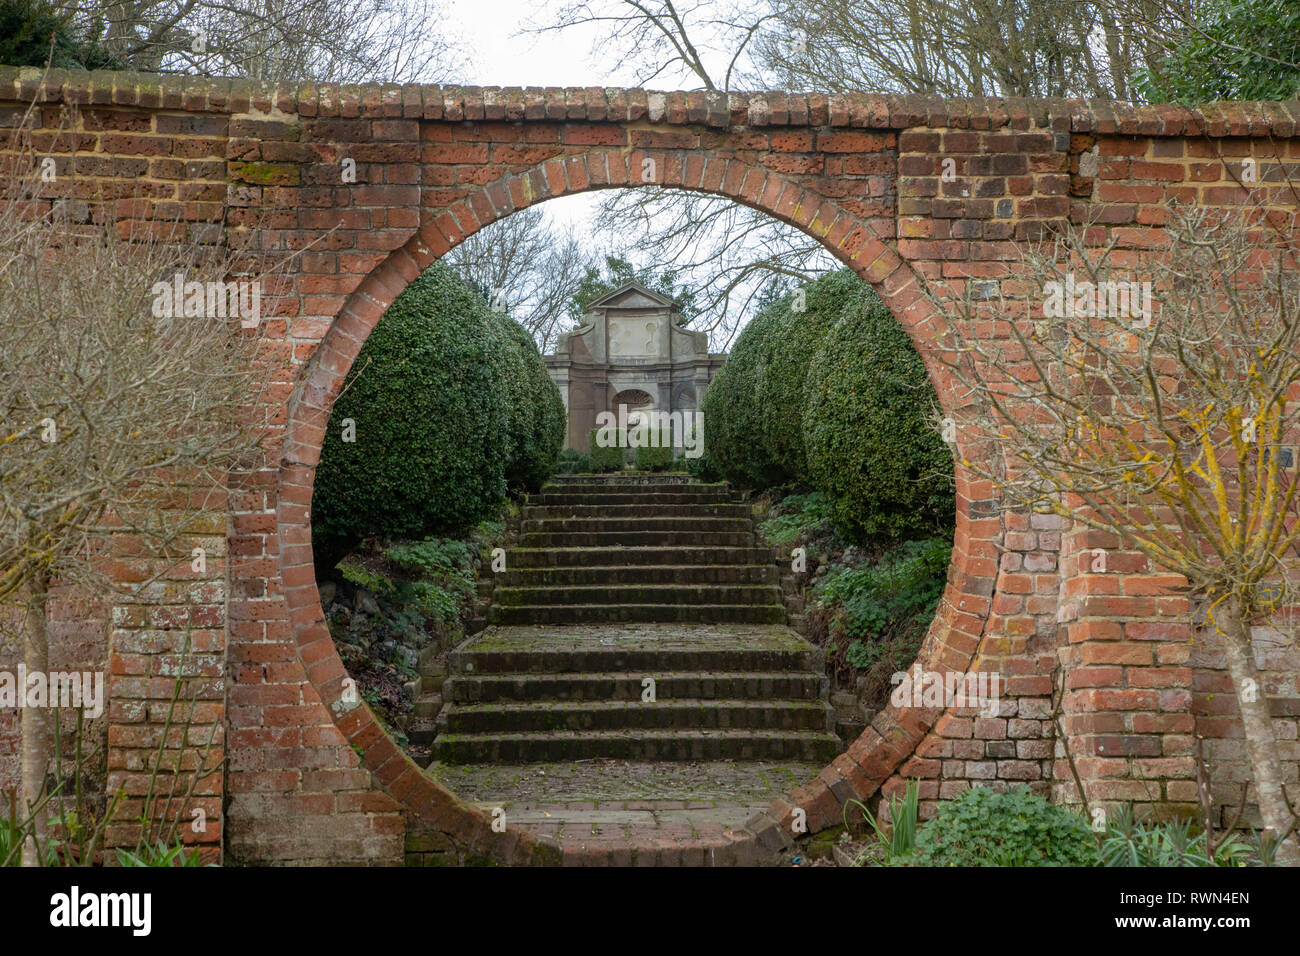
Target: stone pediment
{"x":631,"y":295}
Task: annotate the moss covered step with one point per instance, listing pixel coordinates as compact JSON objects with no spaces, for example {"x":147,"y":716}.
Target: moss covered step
{"x":602,"y":510}
{"x":677,"y":744}
{"x":608,"y":525}
{"x":624,"y":594}
{"x":539,"y":716}
{"x":640,"y":574}
{"x":559,"y":614}
{"x":638,"y":539}
{"x":628,"y":686}
{"x":636,"y":555}
{"x":645,"y":647}
{"x":684,"y":496}
{"x":634,"y":480}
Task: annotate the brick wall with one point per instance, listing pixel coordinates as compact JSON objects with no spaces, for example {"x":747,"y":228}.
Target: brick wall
{"x":902,"y":189}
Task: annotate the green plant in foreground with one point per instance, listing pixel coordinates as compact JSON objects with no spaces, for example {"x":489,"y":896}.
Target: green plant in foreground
{"x":801,"y":513}
{"x":1128,"y":842}
{"x":159,"y":854}
{"x":1016,"y":828}
{"x":899,"y":844}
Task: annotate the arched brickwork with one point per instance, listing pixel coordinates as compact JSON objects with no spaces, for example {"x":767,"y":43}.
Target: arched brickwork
{"x":312,"y":780}
{"x":957,"y":629}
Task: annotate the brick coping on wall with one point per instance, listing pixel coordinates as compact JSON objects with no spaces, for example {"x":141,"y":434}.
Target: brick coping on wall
{"x":607,"y":104}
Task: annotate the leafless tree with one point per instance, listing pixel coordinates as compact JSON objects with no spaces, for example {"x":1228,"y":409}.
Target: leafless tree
{"x":276,"y":40}
{"x":726,"y":251}
{"x":978,"y":48}
{"x":528,"y":267}
{"x":1154,"y":398}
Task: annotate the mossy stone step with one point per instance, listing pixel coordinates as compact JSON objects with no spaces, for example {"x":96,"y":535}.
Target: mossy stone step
{"x":638,"y":539}
{"x":614,"y":613}
{"x":608,"y":525}
{"x":809,"y":746}
{"x":639,"y":574}
{"x":629,"y":478}
{"x":590,"y":509}
{"x":636,"y":555}
{"x":538,"y":716}
{"x":755,"y":595}
{"x":615,"y":685}
{"x":682,"y":497}
{"x":648,"y":648}
{"x":619,"y":578}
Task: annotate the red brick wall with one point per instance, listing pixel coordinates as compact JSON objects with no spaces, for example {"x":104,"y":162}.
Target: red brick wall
{"x":310,"y":779}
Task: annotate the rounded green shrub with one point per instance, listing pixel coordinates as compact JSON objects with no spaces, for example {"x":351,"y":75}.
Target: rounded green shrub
{"x":446,"y":407}
{"x":537,"y":420}
{"x":653,"y":459}
{"x":573,"y":462}
{"x":869,"y":433}
{"x":1017,"y":828}
{"x":733,"y":417}
{"x":609,"y":458}
{"x":799,"y":325}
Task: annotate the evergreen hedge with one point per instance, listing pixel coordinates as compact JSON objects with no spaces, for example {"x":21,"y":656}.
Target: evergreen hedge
{"x":610,"y":458}
{"x":733,"y":417}
{"x":833,"y":397}
{"x":870,"y":429}
{"x":451,"y":408}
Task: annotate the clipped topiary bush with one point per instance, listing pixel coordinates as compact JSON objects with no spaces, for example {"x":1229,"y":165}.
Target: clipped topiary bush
{"x":796,"y":335}
{"x":537,"y":421}
{"x":733,"y":417}
{"x":573,"y":462}
{"x":1017,"y":828}
{"x":604,"y":459}
{"x":653,"y":459}
{"x":872,"y":447}
{"x":446,"y":406}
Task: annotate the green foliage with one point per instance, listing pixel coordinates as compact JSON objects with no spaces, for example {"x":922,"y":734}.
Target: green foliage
{"x":1242,"y":50}
{"x":431,"y":556}
{"x":13,"y":831}
{"x":1169,"y":843}
{"x":159,"y":854}
{"x":733,"y":417}
{"x":871,"y":444}
{"x":833,"y":396}
{"x":441,"y":579}
{"x":899,"y":592}
{"x":26,"y":27}
{"x":450,"y":410}
{"x":899,"y":844}
{"x":1017,"y":828}
{"x":537,"y":417}
{"x":654,"y":459}
{"x":618,"y":271}
{"x":795,"y":338}
{"x":805,"y":514}
{"x":604,"y":459}
{"x":573,"y":462}
{"x":702,"y":468}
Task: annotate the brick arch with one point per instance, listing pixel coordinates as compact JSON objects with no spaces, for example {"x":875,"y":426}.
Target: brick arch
{"x":954,"y":635}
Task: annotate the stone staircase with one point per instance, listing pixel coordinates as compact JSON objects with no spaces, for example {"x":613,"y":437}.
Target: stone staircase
{"x":638,"y":618}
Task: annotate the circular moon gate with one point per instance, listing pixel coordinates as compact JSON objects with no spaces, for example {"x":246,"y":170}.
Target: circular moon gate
{"x":881,"y":749}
